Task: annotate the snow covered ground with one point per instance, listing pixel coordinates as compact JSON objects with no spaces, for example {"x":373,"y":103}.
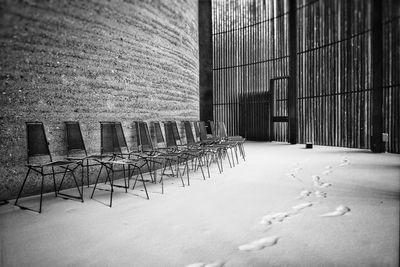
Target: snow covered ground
{"x":284,"y":206}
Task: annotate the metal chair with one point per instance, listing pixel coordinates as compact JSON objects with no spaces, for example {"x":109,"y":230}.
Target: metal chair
{"x":190,"y":152}
{"x":216,"y":128}
{"x":167,"y":148}
{"x":76,"y":149}
{"x":237,"y":138}
{"x":146,"y":150}
{"x":40,"y":159}
{"x":208,"y":152}
{"x":216,"y":142}
{"x":113,"y":142}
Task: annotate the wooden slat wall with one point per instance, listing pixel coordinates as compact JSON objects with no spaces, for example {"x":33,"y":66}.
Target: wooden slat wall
{"x":250,"y":47}
{"x":334,"y":85}
{"x":391,"y":73}
{"x":333,"y":68}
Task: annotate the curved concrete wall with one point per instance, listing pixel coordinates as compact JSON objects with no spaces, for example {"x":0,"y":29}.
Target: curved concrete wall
{"x":91,"y":61}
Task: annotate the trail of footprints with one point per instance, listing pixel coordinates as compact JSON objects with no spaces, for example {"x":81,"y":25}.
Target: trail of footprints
{"x":270,"y":219}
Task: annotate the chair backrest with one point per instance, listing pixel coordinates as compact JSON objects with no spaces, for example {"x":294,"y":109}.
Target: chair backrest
{"x":160,"y":141}
{"x":203,"y":131}
{"x":109,"y":138}
{"x":121,"y":137}
{"x":189,"y":133}
{"x":176,"y":134}
{"x":197,"y":130}
{"x":213,"y":128}
{"x":37,"y":144}
{"x":222,"y":129}
{"x":143,"y":137}
{"x":169,"y":134}
{"x":75,"y":143}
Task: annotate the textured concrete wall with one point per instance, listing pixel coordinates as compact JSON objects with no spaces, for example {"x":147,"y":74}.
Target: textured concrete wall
{"x":91,"y":61}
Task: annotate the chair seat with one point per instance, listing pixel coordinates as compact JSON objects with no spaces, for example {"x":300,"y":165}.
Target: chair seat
{"x":52,"y":163}
{"x":120,"y":161}
{"x":96,"y":156}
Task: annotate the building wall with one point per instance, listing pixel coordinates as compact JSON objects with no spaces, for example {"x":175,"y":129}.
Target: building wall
{"x":91,"y":61}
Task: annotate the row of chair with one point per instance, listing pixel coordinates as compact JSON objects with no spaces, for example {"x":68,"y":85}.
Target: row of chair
{"x":166,"y":154}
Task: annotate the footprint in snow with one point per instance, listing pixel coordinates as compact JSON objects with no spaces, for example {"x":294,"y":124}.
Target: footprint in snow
{"x":303,"y":194}
{"x":293,"y":176}
{"x":71,"y":210}
{"x":323,"y":185}
{"x":201,"y":264}
{"x":260,"y":244}
{"x":340,"y":211}
{"x":298,"y":169}
{"x":317,"y":182}
{"x":215,"y":264}
{"x":302,"y":206}
{"x":276,"y":217}
{"x":344,"y":162}
{"x":327,"y":172}
{"x":315,"y":177}
{"x":197,"y":264}
{"x":320,"y":194}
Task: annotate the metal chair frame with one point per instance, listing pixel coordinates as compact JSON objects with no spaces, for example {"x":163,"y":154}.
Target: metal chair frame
{"x":208,"y":151}
{"x":118,"y":142}
{"x":39,"y":168}
{"x":217,"y":130}
{"x":75,"y":145}
{"x":191,"y":153}
{"x":170,"y":155}
{"x":216,"y":142}
{"x":239,"y":139}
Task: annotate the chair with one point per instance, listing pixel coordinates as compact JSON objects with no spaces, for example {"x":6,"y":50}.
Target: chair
{"x":76,"y":149}
{"x":217,"y":134}
{"x":216,"y":142}
{"x":113,"y":143}
{"x":168,"y":152}
{"x":207,"y":150}
{"x":40,"y":159}
{"x":190,"y":152}
{"x":239,"y":139}
{"x":146,"y":149}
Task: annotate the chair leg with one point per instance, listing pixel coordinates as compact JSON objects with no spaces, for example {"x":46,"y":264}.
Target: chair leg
{"x":233,"y":159}
{"x":77,"y":185}
{"x":126,"y":185}
{"x":208,"y":166}
{"x":54,"y":181}
{"x":227,"y":155}
{"x":97,"y":180}
{"x":41,"y":191}
{"x":201,"y":167}
{"x":187,"y":171}
{"x":144,"y":184}
{"x":87,"y":172}
{"x":22,"y":187}
{"x":62,"y":180}
{"x":112,"y":185}
{"x":149,"y":168}
{"x":236,"y":154}
{"x":179,"y":173}
{"x":82,"y":176}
